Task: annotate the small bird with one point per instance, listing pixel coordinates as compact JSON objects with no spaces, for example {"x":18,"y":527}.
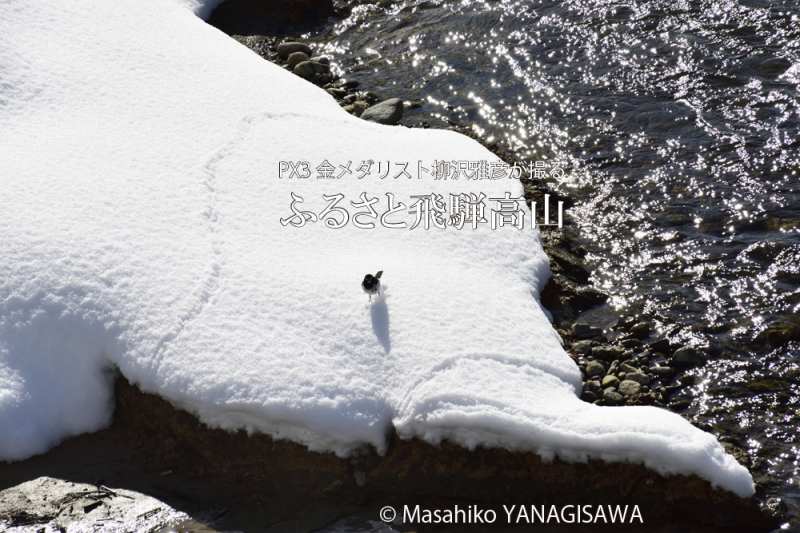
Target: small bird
{"x":372,"y":284}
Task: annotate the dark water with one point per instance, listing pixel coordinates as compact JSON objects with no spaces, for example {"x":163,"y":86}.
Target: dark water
{"x":680,"y":125}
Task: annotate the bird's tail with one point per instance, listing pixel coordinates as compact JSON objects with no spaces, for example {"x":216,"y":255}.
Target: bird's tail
{"x":379,"y":274}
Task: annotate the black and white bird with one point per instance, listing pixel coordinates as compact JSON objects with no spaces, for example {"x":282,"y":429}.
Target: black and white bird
{"x":372,"y":284}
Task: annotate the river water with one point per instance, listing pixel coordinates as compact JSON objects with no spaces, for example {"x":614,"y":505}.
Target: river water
{"x":679,"y":125}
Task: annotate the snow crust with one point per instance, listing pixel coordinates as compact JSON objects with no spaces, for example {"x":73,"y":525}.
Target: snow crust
{"x":139,"y":229}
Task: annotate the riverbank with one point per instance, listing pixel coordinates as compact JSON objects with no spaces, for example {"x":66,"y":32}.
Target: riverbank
{"x":249,"y":481}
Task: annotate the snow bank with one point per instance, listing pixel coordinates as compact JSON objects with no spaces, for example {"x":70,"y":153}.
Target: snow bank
{"x":140,"y":209}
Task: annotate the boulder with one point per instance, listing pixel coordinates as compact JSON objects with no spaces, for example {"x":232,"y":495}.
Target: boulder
{"x":387,"y":112}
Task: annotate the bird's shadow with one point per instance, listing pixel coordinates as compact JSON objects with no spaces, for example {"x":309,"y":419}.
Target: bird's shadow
{"x":379,"y":312}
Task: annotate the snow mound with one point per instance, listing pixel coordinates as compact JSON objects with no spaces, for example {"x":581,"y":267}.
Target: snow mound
{"x":140,"y":209}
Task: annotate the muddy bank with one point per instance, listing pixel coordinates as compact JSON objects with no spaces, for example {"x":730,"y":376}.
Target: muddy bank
{"x":229,"y":480}
{"x":255,"y":467}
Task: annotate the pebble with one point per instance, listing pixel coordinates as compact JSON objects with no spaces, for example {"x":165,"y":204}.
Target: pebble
{"x":582,"y":330}
{"x":387,"y":112}
{"x":586,"y":297}
{"x":338,"y":93}
{"x":631,"y":343}
{"x":662,"y":371}
{"x":679,"y":405}
{"x":629,"y":387}
{"x":287,"y":48}
{"x":295,"y":58}
{"x":607,"y":353}
{"x":582,"y":347}
{"x":310,"y":70}
{"x":639,"y":377}
{"x":595,"y":368}
{"x":640,"y":330}
{"x":589,"y":396}
{"x":610,"y":381}
{"x":356,"y":108}
{"x":612,"y":396}
{"x":594,"y":386}
{"x":781,"y":332}
{"x":661,"y":345}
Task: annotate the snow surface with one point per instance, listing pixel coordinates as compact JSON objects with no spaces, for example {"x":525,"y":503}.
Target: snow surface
{"x":140,"y":209}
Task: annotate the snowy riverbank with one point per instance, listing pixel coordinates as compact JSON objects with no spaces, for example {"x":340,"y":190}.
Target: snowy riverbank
{"x":143,"y":204}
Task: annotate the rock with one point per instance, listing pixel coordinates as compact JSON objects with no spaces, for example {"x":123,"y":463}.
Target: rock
{"x":348,"y":84}
{"x":774,"y":66}
{"x":589,"y":396}
{"x":360,"y":478}
{"x":660,"y":345}
{"x":640,"y":330}
{"x":639,"y":377}
{"x":594,"y":386}
{"x":338,"y":93}
{"x":356,"y":108}
{"x":295,"y":58}
{"x":582,"y":330}
{"x":628,"y":368}
{"x":611,"y":396}
{"x":766,"y":385}
{"x":686,"y":357}
{"x":310,"y":70}
{"x":607,"y":353}
{"x":775,"y":507}
{"x":610,"y":381}
{"x":288,"y":48}
{"x":583,"y":347}
{"x":631,"y":343}
{"x":387,"y":112}
{"x":595,"y":368}
{"x":568,"y":263}
{"x":587,"y":297}
{"x":662,"y":371}
{"x":679,"y":405}
{"x":50,"y":504}
{"x":781,"y":331}
{"x":629,"y":387}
